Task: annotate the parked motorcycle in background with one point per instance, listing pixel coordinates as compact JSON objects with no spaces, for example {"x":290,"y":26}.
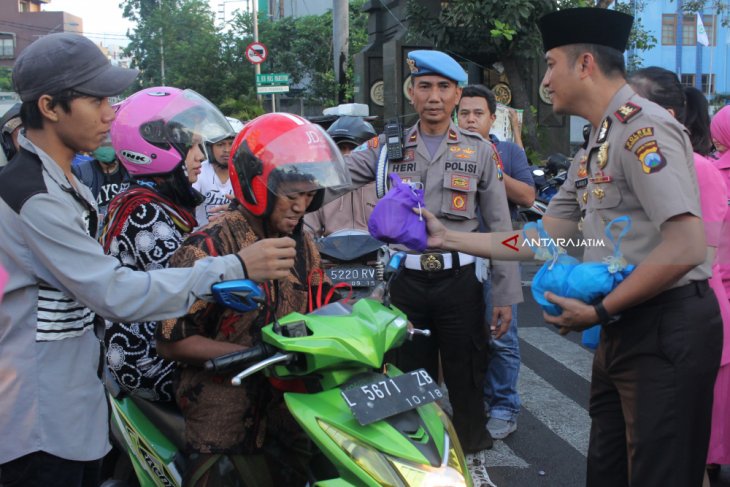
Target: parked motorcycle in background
{"x":355,"y":258}
{"x":548,"y":179}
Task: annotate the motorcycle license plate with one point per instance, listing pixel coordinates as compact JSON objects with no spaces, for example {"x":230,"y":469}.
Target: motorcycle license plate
{"x":355,"y":276}
{"x":388,"y":396}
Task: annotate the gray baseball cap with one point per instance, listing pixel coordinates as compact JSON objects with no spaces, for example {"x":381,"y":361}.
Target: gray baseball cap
{"x":63,"y":61}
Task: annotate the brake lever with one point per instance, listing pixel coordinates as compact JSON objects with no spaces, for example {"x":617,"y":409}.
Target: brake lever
{"x":415,"y":331}
{"x":277,"y":358}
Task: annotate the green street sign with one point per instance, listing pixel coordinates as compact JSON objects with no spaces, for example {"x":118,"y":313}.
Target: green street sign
{"x":272,"y":79}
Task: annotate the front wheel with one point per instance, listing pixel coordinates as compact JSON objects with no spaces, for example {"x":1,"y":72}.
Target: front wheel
{"x":117,"y":470}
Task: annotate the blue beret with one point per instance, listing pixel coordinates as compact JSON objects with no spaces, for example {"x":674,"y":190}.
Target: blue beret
{"x":424,"y":62}
{"x":584,"y":25}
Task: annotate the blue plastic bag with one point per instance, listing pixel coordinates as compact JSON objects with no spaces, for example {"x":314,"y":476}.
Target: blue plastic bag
{"x":565,"y":276}
{"x":591,"y":337}
{"x":393,"y":219}
{"x":554,"y":273}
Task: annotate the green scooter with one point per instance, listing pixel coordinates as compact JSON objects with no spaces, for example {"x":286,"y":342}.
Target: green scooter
{"x":374,"y":425}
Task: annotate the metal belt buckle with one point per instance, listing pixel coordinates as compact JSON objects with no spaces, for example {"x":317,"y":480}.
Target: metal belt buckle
{"x":432,"y":262}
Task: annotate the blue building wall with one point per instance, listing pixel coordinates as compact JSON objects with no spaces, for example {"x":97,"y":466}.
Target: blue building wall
{"x":714,"y":59}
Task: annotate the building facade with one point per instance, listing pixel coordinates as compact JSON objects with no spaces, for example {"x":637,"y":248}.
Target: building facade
{"x":677,"y":47}
{"x":22,"y":22}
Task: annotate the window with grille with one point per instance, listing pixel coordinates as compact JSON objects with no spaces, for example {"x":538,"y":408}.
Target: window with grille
{"x":689,"y":29}
{"x":7,"y":47}
{"x":707,"y":79}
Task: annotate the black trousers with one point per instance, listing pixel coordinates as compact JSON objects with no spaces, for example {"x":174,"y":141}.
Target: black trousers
{"x":651,"y":392}
{"x":41,"y":469}
{"x":450,"y":304}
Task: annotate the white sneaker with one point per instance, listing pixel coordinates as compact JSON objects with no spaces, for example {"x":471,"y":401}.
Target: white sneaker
{"x":501,"y":428}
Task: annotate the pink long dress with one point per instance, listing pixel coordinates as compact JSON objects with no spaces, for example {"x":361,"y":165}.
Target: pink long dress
{"x":713,"y":197}
{"x":720,"y":128}
{"x":723,"y":251}
{"x":3,"y":281}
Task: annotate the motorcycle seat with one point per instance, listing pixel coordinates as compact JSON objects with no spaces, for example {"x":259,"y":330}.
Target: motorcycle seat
{"x":166,"y":417}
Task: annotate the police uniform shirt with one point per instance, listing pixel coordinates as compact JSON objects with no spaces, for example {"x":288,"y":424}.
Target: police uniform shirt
{"x":464,"y":173}
{"x":639,"y":163}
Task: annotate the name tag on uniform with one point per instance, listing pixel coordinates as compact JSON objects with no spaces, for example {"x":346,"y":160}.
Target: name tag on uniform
{"x":581,"y":183}
{"x":601,"y":179}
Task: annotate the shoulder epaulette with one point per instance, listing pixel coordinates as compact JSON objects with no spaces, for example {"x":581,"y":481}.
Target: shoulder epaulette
{"x":626,"y":112}
{"x":467,"y":133}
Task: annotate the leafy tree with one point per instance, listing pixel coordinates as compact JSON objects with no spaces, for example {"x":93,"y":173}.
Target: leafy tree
{"x":185,"y":31}
{"x":212,"y":61}
{"x":639,"y":39}
{"x":494,"y":31}
{"x":300,"y":47}
{"x":502,"y":31}
{"x":6,"y":83}
{"x":721,"y":9}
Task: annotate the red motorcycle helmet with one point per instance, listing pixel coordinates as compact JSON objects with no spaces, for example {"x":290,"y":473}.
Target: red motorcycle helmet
{"x":281,"y":148}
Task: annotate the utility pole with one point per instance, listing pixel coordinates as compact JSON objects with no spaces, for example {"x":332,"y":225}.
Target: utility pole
{"x":257,"y":67}
{"x":340,"y":44}
{"x":162,"y":58}
{"x":162,"y":49}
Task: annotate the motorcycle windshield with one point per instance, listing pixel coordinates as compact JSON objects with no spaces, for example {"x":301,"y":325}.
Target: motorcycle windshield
{"x":348,"y":247}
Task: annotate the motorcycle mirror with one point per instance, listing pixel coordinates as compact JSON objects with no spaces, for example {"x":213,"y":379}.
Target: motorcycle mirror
{"x":241,"y":294}
{"x":538,"y":172}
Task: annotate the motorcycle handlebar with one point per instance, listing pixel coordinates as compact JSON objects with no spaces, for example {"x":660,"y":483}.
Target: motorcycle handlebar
{"x":239,"y":360}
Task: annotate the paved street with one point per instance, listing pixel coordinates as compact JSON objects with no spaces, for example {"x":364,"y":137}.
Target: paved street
{"x":549,"y":447}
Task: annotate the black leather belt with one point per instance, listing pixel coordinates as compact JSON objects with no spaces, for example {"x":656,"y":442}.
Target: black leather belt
{"x":694,"y":288}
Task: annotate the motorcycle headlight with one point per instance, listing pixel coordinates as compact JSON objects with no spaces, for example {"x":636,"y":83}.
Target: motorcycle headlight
{"x":397,"y":472}
{"x":428,"y":476}
{"x":372,"y":461}
{"x":456,"y":458}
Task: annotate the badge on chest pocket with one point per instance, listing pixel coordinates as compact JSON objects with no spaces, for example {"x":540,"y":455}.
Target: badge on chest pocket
{"x":459,"y":196}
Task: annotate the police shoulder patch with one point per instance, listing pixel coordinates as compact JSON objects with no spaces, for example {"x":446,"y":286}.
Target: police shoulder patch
{"x":638,"y":135}
{"x":627,"y":111}
{"x":652,"y":159}
{"x":374,"y":142}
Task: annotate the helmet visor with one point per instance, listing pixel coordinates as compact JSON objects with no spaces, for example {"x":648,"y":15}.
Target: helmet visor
{"x":304,"y":159}
{"x":188,"y":119}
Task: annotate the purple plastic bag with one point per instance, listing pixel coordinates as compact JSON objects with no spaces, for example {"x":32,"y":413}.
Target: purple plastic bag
{"x":393,"y":219}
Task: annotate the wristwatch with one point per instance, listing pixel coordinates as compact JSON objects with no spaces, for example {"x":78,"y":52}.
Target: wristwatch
{"x":603,"y":317}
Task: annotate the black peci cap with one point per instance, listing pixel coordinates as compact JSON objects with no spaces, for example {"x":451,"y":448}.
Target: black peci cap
{"x":585,"y":26}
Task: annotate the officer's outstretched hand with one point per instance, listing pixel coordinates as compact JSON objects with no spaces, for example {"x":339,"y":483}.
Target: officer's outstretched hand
{"x":436,"y":230}
{"x":576,"y":315}
{"x":268,"y":259}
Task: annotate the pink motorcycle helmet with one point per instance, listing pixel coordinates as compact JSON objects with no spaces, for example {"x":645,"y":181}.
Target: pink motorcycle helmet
{"x":154,"y":128}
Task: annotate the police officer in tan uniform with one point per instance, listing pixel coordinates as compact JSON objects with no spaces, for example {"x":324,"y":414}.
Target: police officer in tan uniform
{"x":460,"y":172}
{"x":660,"y":347}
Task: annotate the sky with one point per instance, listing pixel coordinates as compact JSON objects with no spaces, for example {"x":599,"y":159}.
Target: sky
{"x":103,"y":20}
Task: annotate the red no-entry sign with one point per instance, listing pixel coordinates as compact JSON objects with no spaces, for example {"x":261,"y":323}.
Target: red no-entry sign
{"x":256,"y":53}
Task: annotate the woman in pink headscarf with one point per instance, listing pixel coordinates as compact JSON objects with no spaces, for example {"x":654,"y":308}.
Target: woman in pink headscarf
{"x":720,"y":128}
{"x":689,"y":106}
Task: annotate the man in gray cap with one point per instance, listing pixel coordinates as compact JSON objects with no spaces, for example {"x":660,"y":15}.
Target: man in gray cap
{"x":53,"y":413}
{"x":661,"y":340}
{"x":462,"y":176}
